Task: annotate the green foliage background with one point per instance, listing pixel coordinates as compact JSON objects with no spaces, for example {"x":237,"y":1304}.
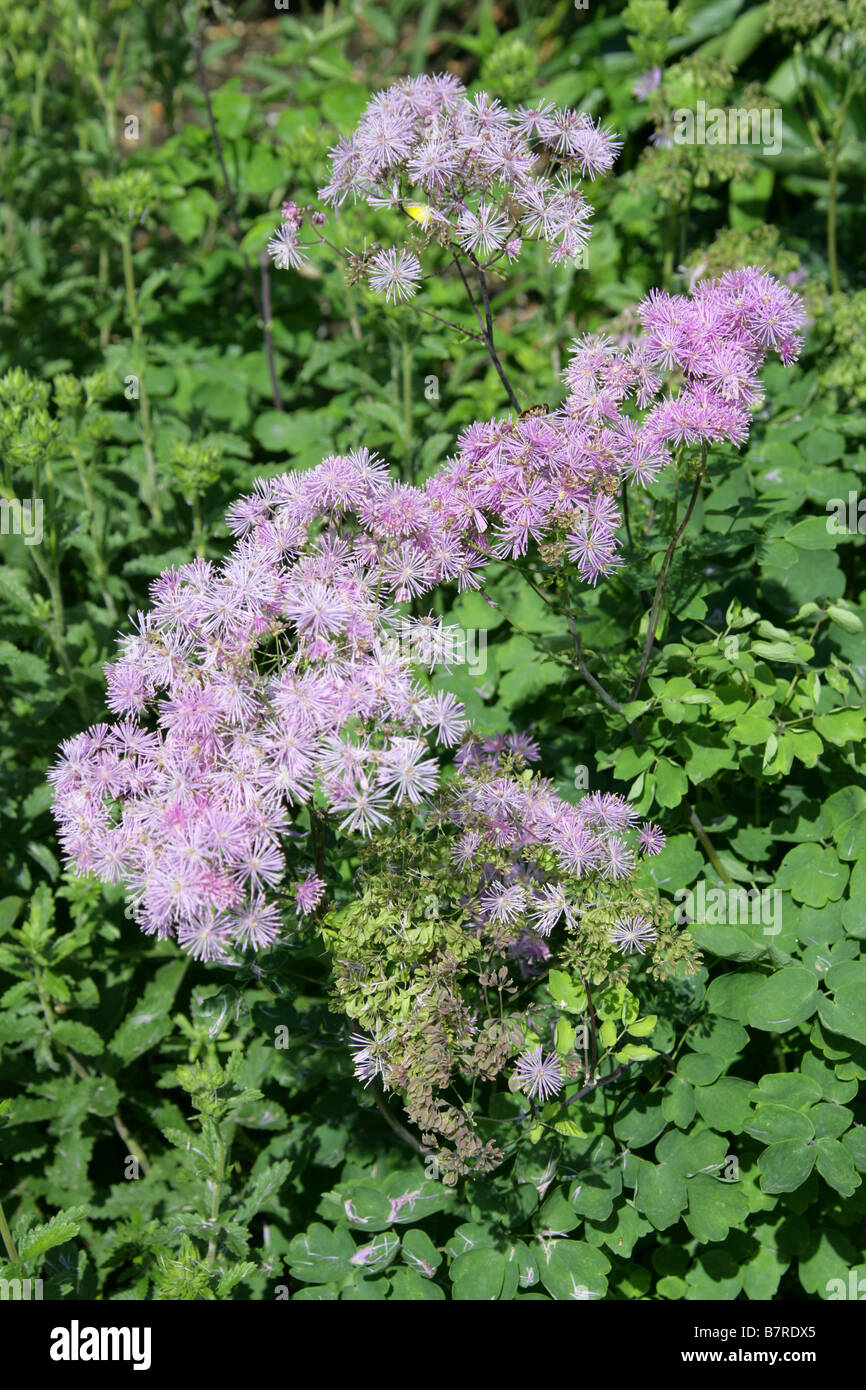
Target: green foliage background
{"x":174,"y":1130}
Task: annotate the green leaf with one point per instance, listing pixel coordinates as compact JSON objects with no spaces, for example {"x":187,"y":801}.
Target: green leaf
{"x":771,"y":1124}
{"x":787,"y":998}
{"x":556,"y":1217}
{"x":698,"y":1152}
{"x":855,"y":1142}
{"x":718,"y":1036}
{"x":9,"y":910}
{"x":232,"y":110}
{"x":565,"y":993}
{"x":785,"y":1166}
{"x":725,"y":1104}
{"x":478,"y":1275}
{"x":378,"y":1253}
{"x":714,"y":1207}
{"x":61,"y":1228}
{"x":274,"y":432}
{"x":527,"y":681}
{"x":420,"y":1254}
{"x":78,"y":1036}
{"x":660,"y":1194}
{"x":594,"y":1194}
{"x":841,"y":726}
{"x":850,"y":837}
{"x":790,"y":1088}
{"x":814,"y":875}
{"x":714,"y":1276}
{"x":828,"y":1254}
{"x":811,"y":534}
{"x":762,"y":1274}
{"x":408,"y":1286}
{"x":731,"y":997}
{"x":678,"y":1102}
{"x":363,"y":1206}
{"x":752,"y":728}
{"x":149,"y":1021}
{"x":320,"y":1254}
{"x":671,"y":783}
{"x":570,"y":1269}
{"x":640,"y":1120}
{"x":261,"y":1187}
{"x":700,"y":1068}
{"x":729,"y":943}
{"x":844,"y":618}
{"x":846,"y":1013}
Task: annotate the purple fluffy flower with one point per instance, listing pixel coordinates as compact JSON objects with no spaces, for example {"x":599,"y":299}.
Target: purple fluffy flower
{"x":231,"y":696}
{"x":651,"y":839}
{"x":483,"y":177}
{"x":308,"y":893}
{"x":647,"y":83}
{"x":396,"y":274}
{"x":539,"y":1077}
{"x":633,"y":934}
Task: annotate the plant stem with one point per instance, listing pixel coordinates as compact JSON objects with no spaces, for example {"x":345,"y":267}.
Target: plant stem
{"x":197,"y":537}
{"x":832,"y":252}
{"x":485,"y":323}
{"x":7,"y":1238}
{"x":80,"y":1070}
{"x":407,"y":406}
{"x":601,"y":1081}
{"x":391,"y":1119}
{"x":458,"y":328}
{"x":317,"y":836}
{"x":261,"y":299}
{"x":593,"y":1056}
{"x":267,"y":329}
{"x":216,"y":1184}
{"x":101,"y":567}
{"x":833,"y":191}
{"x":661,"y":586}
{"x":9,"y":283}
{"x":56,"y":627}
{"x":639,"y":739}
{"x":144,"y":399}
{"x":488,"y":323}
{"x":625,"y":515}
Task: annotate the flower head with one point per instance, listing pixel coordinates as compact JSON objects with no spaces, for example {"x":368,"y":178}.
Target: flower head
{"x":395,"y":274}
{"x":633,"y":934}
{"x":539,"y":1077}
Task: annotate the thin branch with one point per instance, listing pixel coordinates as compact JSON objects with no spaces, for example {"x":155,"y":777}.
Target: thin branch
{"x":8,"y":1239}
{"x":613,"y":704}
{"x":458,"y":328}
{"x":317,"y":837}
{"x":661,"y":587}
{"x":468,"y":288}
{"x":485,"y":323}
{"x":195,"y":40}
{"x":707,"y":843}
{"x":267,"y":328}
{"x":600,"y":1081}
{"x":593,"y":1057}
{"x":261,"y":298}
{"x":392,"y":1121}
{"x":488,"y":320}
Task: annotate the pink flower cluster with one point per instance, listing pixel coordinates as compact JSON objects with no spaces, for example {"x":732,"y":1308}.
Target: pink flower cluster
{"x":498,"y":812}
{"x":690,"y":379}
{"x":512,"y":892}
{"x":254,"y":684}
{"x":480,"y":176}
{"x":284,"y":673}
